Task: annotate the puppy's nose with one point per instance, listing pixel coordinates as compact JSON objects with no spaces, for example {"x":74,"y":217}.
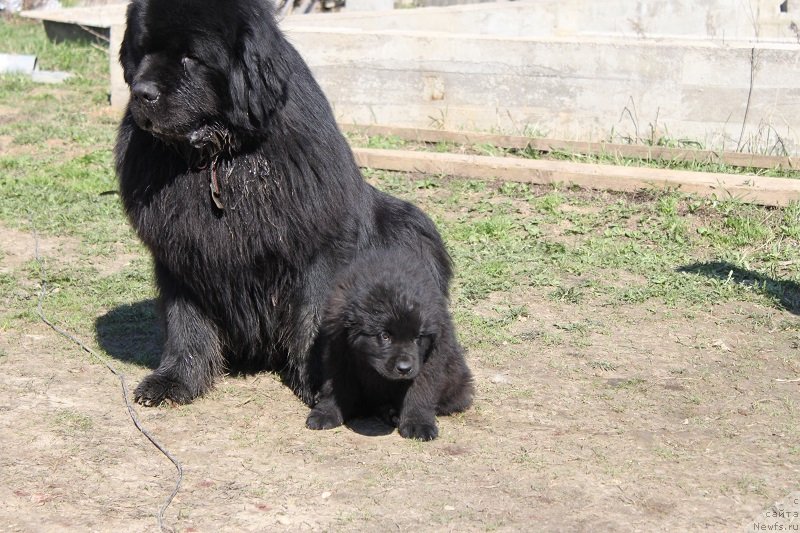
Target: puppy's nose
{"x":404,"y":367}
{"x":145,"y":90}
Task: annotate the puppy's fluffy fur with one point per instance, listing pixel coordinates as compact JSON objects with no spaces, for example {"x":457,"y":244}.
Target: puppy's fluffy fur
{"x":389,"y":347}
{"x":235,"y":176}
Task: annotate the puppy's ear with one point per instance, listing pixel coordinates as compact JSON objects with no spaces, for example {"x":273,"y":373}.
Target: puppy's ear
{"x":433,"y":339}
{"x":259,"y":74}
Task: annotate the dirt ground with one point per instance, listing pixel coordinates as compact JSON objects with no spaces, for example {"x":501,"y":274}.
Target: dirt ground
{"x":594,"y":419}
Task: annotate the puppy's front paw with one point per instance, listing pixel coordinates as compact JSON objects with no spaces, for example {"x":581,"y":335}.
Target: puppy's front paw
{"x":418,"y":429}
{"x":320,"y":418}
{"x":156,"y":389}
{"x":388,"y":415}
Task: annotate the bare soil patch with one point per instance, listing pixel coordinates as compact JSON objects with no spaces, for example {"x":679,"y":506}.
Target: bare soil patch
{"x":591,"y":418}
{"x":18,"y":248}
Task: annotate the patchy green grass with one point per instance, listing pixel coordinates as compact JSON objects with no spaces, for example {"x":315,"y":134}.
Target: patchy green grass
{"x":57,"y":177}
{"x":87,"y":62}
{"x":72,"y":423}
{"x":618,"y":250}
{"x":572,"y":246}
{"x":56,"y":168}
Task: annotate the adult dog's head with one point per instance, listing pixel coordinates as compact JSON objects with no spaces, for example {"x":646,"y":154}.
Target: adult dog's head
{"x":389,"y":312}
{"x":204,"y":72}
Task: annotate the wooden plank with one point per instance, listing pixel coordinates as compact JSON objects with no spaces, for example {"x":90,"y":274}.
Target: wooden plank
{"x":98,"y":16}
{"x":753,"y":189}
{"x":662,"y":153}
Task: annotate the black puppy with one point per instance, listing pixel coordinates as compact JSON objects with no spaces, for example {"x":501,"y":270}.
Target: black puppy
{"x":389,"y":348}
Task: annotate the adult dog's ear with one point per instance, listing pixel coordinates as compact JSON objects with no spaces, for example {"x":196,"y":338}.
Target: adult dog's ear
{"x":336,"y":318}
{"x":259,"y":75}
{"x":129,"y":55}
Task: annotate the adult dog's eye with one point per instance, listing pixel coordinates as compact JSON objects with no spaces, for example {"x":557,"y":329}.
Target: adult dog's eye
{"x":188,"y":62}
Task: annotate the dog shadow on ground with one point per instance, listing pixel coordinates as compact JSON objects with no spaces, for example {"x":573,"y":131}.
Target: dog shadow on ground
{"x":785,"y":292}
{"x":131,"y":333}
{"x":369,"y":427}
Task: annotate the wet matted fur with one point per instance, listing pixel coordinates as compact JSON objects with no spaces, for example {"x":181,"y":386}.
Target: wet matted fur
{"x":389,"y":347}
{"x":235,"y":176}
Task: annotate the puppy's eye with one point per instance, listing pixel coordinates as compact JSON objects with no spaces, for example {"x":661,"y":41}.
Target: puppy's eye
{"x":384,"y":336}
{"x":423,"y":340}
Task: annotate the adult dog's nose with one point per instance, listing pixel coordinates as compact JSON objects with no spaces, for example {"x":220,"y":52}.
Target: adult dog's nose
{"x":145,"y":90}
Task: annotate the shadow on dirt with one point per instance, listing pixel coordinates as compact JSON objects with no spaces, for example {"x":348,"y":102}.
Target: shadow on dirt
{"x":131,"y":333}
{"x":785,"y":292}
{"x":369,"y":427}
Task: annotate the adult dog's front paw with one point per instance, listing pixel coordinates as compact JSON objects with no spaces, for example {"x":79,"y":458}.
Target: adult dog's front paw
{"x":156,"y":389}
{"x":320,"y":418}
{"x":418,"y":429}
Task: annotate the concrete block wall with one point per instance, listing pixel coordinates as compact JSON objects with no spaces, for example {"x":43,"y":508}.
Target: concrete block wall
{"x":568,"y":68}
{"x":566,"y":88}
{"x":564,"y":68}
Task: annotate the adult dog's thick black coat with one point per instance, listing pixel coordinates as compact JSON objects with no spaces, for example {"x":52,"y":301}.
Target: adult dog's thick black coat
{"x":234,"y":174}
{"x":389,"y":348}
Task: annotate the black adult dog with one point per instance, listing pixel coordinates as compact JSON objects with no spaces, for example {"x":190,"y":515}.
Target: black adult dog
{"x":234,"y":174}
{"x":389,"y":348}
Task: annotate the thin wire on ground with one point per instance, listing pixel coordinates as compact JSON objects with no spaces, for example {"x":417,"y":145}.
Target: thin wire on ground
{"x":131,"y":411}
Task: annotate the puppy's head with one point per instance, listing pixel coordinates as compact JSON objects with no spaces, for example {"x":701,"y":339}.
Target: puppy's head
{"x":386,"y":328}
{"x":388,"y":332}
{"x":197,"y":68}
